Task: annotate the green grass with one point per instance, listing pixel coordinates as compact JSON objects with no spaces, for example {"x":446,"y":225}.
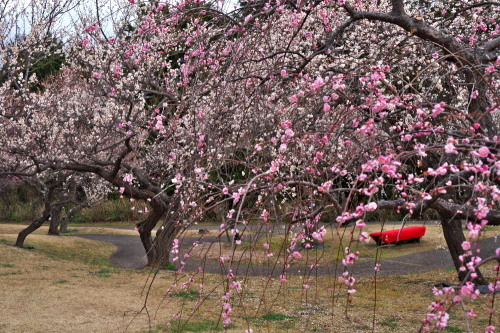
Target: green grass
{"x":364,"y":328}
{"x":190,"y":294}
{"x":88,"y":256}
{"x":102,"y":273}
{"x":390,"y":322}
{"x":203,"y":326}
{"x":170,"y":266}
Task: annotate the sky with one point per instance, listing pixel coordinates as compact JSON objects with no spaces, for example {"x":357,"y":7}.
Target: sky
{"x":20,"y":15}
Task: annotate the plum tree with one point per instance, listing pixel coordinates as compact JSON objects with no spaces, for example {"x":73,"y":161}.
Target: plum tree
{"x":280,"y":111}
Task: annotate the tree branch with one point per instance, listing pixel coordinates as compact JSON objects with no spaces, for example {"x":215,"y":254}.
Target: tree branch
{"x":491,"y":45}
{"x":465,"y":211}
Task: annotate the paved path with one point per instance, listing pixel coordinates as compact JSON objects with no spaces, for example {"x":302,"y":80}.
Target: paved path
{"x":131,"y":254}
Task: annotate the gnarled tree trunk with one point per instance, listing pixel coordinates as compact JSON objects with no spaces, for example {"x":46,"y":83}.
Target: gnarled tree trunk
{"x":454,"y":236}
{"x":155,"y":250}
{"x":67,"y":217}
{"x":33,"y":226}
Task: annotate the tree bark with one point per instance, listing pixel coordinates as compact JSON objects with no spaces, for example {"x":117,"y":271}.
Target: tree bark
{"x":479,"y":105}
{"x":454,"y":236}
{"x":67,"y":217}
{"x":164,"y":240}
{"x":145,"y":228}
{"x":32,"y":227}
{"x":55,"y":220}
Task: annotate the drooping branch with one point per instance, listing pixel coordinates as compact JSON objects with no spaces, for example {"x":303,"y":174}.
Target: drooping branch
{"x":415,"y":26}
{"x":465,"y":211}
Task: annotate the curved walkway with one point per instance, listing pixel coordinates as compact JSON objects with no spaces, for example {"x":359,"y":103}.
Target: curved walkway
{"x":131,"y":254}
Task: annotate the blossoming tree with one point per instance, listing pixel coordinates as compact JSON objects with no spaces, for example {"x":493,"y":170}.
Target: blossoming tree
{"x":282,"y":111}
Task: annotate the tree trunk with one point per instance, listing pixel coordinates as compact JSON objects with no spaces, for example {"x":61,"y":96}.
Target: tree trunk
{"x":454,"y":236}
{"x":55,"y":220}
{"x":164,"y":240}
{"x":32,"y":227}
{"x":145,"y":227}
{"x":37,"y":223}
{"x":69,"y":215}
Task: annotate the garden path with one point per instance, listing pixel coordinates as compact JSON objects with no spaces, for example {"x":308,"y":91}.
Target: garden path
{"x":131,"y":254}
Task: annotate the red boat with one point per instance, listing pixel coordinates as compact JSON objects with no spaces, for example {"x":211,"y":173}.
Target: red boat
{"x":398,"y":235}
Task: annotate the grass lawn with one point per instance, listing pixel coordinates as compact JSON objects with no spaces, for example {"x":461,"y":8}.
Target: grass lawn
{"x":65,"y":284}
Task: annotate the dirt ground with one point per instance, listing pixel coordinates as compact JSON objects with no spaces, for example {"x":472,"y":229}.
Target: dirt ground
{"x":66,"y":284}
{"x":44,"y":294}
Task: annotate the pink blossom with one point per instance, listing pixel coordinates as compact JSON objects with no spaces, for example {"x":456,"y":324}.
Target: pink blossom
{"x":490,"y":69}
{"x":92,"y":27}
{"x":289,"y":132}
{"x":350,"y":258}
{"x":236,"y":198}
{"x":128,"y":178}
{"x":362,"y":176}
{"x":371,"y":207}
{"x":467,"y":290}
{"x":449,"y":148}
{"x":265,"y":215}
{"x":364,"y":237}
{"x":286,"y":124}
{"x":235,"y":285}
{"x":318,"y":235}
{"x":360,"y":224}
{"x":438,"y":108}
{"x":483,"y":152}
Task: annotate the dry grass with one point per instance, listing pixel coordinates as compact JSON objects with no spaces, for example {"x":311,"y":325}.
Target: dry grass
{"x":108,"y":228}
{"x":66,"y":285}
